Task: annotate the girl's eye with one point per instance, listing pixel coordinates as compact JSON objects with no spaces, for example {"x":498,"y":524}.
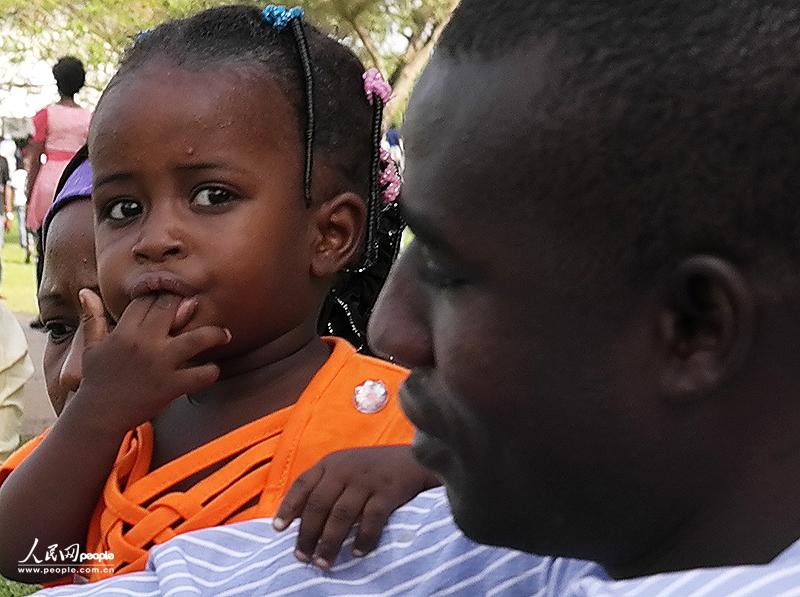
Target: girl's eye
{"x":123,"y":209}
{"x":59,"y":331}
{"x":211,"y":196}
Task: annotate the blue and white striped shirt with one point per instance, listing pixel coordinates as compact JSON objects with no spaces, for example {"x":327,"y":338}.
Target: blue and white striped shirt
{"x":421,"y":553}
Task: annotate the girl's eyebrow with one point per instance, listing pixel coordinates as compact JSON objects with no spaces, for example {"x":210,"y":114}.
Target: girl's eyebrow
{"x":126,"y":176}
{"x":203,"y":166}
{"x":51,"y":299}
{"x":116,"y":177}
{"x":210,"y":166}
{"x":57,"y":298}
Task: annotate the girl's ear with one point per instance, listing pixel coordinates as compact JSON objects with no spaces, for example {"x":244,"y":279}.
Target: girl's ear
{"x":339,"y":229}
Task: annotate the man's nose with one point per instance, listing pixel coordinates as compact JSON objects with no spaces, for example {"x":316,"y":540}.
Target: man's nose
{"x":398,"y":328}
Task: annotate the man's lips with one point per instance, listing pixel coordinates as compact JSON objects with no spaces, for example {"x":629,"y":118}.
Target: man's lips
{"x":420,"y":407}
{"x":431,"y":453}
{"x":430,"y":441}
{"x":158,"y":282}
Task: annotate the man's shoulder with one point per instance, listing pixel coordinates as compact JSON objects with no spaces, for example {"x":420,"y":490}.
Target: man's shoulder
{"x":781,"y":577}
{"x":421,"y":552}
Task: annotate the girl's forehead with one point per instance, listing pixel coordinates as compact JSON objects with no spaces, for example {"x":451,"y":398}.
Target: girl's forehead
{"x":70,"y":236}
{"x":69,"y":259}
{"x":213,"y":89}
{"x":165,"y":104}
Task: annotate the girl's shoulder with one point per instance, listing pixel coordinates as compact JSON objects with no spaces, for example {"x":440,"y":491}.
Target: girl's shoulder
{"x":355,"y":364}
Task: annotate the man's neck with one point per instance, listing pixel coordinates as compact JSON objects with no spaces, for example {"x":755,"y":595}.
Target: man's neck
{"x":752,"y":523}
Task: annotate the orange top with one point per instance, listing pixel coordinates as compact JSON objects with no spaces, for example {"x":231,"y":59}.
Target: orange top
{"x":351,"y":402}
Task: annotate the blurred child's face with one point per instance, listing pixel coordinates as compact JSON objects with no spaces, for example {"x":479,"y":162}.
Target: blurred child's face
{"x":69,"y":265}
{"x":198,"y":191}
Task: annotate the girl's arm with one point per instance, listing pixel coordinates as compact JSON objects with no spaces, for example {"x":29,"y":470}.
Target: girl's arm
{"x":35,"y":151}
{"x":51,"y":496}
{"x":362,"y":485}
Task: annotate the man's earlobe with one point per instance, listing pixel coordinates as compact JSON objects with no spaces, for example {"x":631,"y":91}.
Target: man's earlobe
{"x":339,"y":229}
{"x":705,"y":326}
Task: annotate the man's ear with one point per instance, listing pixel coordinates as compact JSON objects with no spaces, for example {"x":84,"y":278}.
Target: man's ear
{"x":706,"y":327}
{"x":339,"y":228}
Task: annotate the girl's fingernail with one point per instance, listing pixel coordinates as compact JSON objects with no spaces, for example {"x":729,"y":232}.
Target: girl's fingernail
{"x":322,"y":563}
{"x":301,"y":556}
{"x":228,"y":334}
{"x":358,"y":553}
{"x":278,"y":524}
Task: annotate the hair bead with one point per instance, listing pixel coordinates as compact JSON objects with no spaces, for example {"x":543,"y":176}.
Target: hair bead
{"x":280,"y":17}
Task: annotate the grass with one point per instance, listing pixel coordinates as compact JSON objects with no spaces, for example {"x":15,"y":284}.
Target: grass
{"x":19,"y":278}
{"x":14,"y":589}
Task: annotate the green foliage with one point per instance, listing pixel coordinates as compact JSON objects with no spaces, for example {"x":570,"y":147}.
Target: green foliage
{"x":392,"y":35}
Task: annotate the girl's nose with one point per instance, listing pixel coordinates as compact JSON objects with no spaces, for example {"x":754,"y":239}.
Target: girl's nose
{"x":158,"y":243}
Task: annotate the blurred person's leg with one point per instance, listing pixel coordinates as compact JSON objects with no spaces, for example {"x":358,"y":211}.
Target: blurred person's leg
{"x":37,"y":235}
{"x":2,"y":240}
{"x":36,"y":322}
{"x":22,"y":231}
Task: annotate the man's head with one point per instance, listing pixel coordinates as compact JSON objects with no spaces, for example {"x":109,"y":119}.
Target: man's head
{"x":601,"y":306}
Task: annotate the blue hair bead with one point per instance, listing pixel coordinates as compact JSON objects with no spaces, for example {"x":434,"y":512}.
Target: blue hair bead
{"x":280,"y":16}
{"x":142,"y":34}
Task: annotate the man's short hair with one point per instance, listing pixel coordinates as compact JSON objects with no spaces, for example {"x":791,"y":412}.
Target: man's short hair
{"x":671,"y":128}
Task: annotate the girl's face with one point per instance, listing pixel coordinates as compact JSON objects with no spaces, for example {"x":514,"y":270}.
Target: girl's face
{"x":69,"y":265}
{"x":198,"y":192}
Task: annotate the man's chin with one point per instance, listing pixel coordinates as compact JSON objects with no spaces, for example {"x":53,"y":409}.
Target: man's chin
{"x":484,"y":516}
{"x":477,"y":518}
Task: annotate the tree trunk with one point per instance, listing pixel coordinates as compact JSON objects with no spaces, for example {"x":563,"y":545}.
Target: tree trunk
{"x":408,"y":72}
{"x":369,"y":45}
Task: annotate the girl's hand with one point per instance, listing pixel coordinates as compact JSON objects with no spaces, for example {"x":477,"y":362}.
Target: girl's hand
{"x":364,"y":486}
{"x":133,"y":372}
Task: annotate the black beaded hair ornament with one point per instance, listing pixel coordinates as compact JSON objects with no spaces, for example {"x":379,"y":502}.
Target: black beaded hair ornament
{"x":348,"y":306}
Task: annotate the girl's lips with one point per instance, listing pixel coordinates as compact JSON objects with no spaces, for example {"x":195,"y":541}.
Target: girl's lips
{"x":161,"y":282}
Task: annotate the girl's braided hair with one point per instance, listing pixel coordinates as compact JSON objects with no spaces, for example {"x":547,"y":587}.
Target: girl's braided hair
{"x":322,"y":79}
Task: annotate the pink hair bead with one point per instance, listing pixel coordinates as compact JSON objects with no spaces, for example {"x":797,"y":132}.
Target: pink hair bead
{"x":390,"y":178}
{"x":376,"y":85}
